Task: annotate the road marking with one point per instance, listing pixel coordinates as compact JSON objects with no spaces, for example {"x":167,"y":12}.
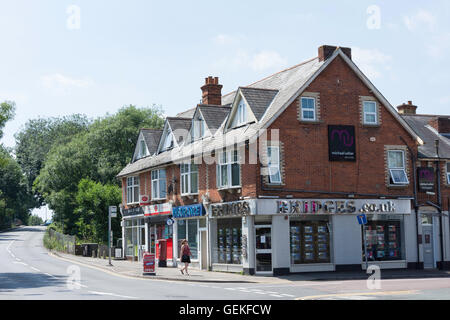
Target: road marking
{"x":111,"y":294}
{"x":35,"y":269}
{"x":22,"y":263}
{"x":276,"y":295}
{"x":356,"y":294}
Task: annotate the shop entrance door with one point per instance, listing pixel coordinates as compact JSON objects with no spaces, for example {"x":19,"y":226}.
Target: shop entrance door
{"x":428,"y":252}
{"x":263,"y":234}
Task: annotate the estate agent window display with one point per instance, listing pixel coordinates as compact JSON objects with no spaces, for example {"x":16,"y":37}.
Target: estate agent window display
{"x":384,"y":239}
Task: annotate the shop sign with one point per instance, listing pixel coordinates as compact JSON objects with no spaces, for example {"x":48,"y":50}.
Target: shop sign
{"x":238,"y":208}
{"x":158,"y":209}
{"x":195,"y":210}
{"x":426,"y":179}
{"x":144,"y":200}
{"x":341,"y":143}
{"x":133,"y":211}
{"x":343,"y":206}
{"x":149,"y":262}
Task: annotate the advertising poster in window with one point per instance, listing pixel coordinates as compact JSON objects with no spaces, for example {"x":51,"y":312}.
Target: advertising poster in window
{"x":426,"y":179}
{"x":341,"y":143}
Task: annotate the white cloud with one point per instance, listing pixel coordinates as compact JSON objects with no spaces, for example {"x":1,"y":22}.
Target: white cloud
{"x":227,"y":39}
{"x":371,"y":61}
{"x":267,"y":60}
{"x":59,"y":83}
{"x":438,"y":45}
{"x":421,"y":19}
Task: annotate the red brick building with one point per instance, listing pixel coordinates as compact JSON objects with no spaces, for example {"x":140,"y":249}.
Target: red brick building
{"x":270,"y":178}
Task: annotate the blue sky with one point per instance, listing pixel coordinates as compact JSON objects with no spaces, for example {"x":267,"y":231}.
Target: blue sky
{"x":144,"y":52}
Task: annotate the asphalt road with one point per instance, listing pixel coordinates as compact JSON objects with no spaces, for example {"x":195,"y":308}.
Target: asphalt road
{"x":28,"y":272}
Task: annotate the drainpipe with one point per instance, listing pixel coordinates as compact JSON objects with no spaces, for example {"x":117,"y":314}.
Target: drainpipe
{"x":416,"y":205}
{"x":439,"y":200}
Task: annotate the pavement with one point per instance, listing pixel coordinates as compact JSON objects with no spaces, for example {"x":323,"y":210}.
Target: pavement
{"x":135,"y":269}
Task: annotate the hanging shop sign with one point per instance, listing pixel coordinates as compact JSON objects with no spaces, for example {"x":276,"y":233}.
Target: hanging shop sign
{"x":133,"y":212}
{"x":325,"y":206}
{"x":238,"y":208}
{"x":158,"y":209}
{"x":144,"y":200}
{"x":426,"y":179}
{"x":341,"y":143}
{"x":195,"y":210}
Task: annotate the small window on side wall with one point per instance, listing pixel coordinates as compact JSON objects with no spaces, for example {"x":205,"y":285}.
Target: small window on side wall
{"x":448,"y":172}
{"x":308,"y":109}
{"x":370,"y":113}
{"x":397,"y":167}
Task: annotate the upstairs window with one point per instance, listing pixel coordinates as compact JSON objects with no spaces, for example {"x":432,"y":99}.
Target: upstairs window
{"x":158,"y":184}
{"x":132,"y":190}
{"x":273,"y":155}
{"x":189,"y":179}
{"x":228,"y":170}
{"x":168,"y":142}
{"x":198,"y":128}
{"x":241,"y":113}
{"x":370,"y":112}
{"x":142,"y":149}
{"x":397,"y":168}
{"x":308,"y":109}
{"x":448,"y":172}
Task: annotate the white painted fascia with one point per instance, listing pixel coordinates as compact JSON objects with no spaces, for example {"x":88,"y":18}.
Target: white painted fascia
{"x":232,"y":113}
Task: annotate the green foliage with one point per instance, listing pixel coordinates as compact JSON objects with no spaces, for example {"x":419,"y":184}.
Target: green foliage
{"x":7,"y":112}
{"x":93,"y":200}
{"x":36,"y":139}
{"x":35,"y":220}
{"x":98,"y":155}
{"x":15,"y":201}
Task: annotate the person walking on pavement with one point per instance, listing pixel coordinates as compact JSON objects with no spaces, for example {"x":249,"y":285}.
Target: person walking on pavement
{"x":185,"y":256}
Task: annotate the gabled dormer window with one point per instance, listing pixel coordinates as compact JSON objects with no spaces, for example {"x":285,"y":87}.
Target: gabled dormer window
{"x":241,"y":113}
{"x":168,"y":142}
{"x":198,"y":128}
{"x":142,"y":149}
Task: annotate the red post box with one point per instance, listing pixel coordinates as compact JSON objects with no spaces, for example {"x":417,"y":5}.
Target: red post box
{"x":162,"y":261}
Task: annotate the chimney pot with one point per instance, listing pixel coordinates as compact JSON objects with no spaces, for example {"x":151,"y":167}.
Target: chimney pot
{"x":212,"y":91}
{"x":407,"y":108}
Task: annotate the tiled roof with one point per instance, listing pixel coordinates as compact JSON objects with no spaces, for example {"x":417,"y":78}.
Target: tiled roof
{"x":180,"y":127}
{"x":258,"y":99}
{"x":214,"y":116}
{"x":280,"y":87}
{"x":151,"y":137}
{"x":419,"y":124}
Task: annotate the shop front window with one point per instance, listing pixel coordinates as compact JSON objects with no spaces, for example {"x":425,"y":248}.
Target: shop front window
{"x":229,"y":232}
{"x":310,"y":242}
{"x":187,"y":229}
{"x":383,"y":240}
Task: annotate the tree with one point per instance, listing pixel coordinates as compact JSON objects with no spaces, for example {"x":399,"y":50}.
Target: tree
{"x":97,"y":155}
{"x":35,"y":220}
{"x":36,"y":139}
{"x":93,"y":200}
{"x":7,"y":111}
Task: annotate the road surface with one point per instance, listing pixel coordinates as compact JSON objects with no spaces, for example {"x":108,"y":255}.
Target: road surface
{"x":27,"y":271}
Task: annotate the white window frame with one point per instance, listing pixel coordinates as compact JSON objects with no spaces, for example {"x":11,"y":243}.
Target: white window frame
{"x":302,"y":109}
{"x":392,"y":169}
{"x":448,"y":172}
{"x":142,"y":148}
{"x":186,"y":178}
{"x":274,"y":168}
{"x":158,"y":193}
{"x":198,"y":128}
{"x":366,"y":113}
{"x":241,"y":113}
{"x":132,"y":183}
{"x":169,"y":138}
{"x":231,"y":158}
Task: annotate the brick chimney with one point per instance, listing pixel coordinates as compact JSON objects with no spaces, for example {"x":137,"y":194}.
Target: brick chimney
{"x":326,"y":51}
{"x":212,"y":91}
{"x":407,"y":108}
{"x":440,"y":123}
